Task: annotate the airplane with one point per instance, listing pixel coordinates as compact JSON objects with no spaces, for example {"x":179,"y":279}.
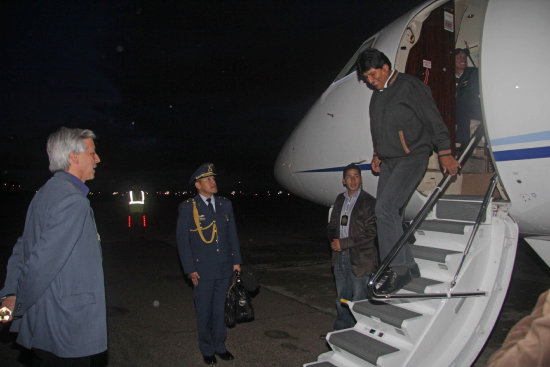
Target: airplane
{"x":505,"y":39}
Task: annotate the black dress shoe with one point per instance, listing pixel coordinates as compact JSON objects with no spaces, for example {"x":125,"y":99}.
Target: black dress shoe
{"x":384,"y":278}
{"x":210,"y":360}
{"x":391,"y":281}
{"x":227,"y":356}
{"x":415,"y":271}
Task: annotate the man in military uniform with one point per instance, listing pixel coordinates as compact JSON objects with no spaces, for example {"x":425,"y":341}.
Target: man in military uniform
{"x":209,"y":252}
{"x":468,"y":105}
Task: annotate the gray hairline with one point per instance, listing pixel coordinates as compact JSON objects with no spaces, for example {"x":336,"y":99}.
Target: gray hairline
{"x":63,"y":142}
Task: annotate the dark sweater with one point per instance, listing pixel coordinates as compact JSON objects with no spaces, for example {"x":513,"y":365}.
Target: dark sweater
{"x":405,"y":121}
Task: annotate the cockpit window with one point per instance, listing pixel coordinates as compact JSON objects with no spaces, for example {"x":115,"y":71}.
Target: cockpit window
{"x":350,"y":66}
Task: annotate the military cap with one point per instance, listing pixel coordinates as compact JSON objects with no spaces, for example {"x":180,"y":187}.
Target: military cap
{"x":205,"y":170}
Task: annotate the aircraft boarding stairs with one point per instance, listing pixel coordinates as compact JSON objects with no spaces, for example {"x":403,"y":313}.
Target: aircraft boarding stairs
{"x":465,"y":248}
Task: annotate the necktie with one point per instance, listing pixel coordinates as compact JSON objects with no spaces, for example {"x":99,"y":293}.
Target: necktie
{"x":210,"y":206}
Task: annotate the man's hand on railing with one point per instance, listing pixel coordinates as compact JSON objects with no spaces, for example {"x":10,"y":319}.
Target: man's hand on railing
{"x":449,"y":164}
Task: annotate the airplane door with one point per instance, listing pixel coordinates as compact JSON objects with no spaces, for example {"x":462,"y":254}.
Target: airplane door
{"x":432,"y":60}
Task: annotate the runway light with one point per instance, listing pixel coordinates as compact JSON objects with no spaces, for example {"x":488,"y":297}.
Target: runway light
{"x":132,"y":201}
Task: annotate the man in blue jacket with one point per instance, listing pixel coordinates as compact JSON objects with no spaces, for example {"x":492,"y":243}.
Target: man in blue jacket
{"x":54,"y":290}
{"x":209,"y":251}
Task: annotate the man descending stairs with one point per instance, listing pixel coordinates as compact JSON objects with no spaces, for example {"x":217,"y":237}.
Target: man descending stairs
{"x":444,"y":317}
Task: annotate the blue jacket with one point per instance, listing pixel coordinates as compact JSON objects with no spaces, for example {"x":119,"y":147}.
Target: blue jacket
{"x":56,"y":271}
{"x":212,"y":260}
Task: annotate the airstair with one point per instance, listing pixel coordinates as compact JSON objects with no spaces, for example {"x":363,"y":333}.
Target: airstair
{"x":465,"y":248}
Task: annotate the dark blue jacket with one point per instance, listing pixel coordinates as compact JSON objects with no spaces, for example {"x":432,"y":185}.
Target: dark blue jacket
{"x":212,"y":260}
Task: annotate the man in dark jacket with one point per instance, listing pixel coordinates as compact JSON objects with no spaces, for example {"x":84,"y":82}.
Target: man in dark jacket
{"x":405,"y":127}
{"x":352,"y":235}
{"x":468,"y":105}
{"x":209,"y":250}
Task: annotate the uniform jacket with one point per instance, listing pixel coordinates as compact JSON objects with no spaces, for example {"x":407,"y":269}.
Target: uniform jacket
{"x":362,"y":233}
{"x":56,"y":272}
{"x":213,"y":260}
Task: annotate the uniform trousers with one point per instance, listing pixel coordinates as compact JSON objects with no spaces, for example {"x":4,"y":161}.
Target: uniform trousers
{"x":209,"y":297}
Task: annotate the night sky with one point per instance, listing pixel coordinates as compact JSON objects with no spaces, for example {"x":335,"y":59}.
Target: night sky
{"x":167,"y":85}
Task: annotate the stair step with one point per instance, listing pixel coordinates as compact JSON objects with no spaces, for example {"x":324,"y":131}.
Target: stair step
{"x":443,"y":226}
{"x":431,"y":253}
{"x":474,"y":198}
{"x":458,"y":207}
{"x":418,"y":285}
{"x":360,"y":345}
{"x":387,"y":313}
{"x":321,"y":364}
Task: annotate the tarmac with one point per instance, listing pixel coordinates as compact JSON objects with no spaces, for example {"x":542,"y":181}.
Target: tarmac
{"x":151,"y":317}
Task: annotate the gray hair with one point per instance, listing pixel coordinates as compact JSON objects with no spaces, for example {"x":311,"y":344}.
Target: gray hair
{"x":63,"y":142}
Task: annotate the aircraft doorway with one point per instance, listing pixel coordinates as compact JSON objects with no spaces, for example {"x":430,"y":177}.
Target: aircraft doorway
{"x":428,"y":51}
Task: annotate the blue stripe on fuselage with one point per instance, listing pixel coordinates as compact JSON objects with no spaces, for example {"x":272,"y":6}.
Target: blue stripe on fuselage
{"x":364,"y":167}
{"x":521,"y":154}
{"x":500,"y":156}
{"x":525,"y":138}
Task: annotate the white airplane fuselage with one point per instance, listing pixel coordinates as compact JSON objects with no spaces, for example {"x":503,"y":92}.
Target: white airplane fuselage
{"x":507,"y":40}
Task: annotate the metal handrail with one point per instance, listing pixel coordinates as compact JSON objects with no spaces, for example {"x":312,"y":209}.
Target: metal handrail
{"x":482,"y":211}
{"x":417,"y":221}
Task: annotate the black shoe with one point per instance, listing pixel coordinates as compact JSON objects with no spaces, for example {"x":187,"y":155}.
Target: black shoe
{"x":415,"y":271}
{"x":210,"y":360}
{"x":383,"y":279}
{"x":392,"y":281}
{"x":227,"y":356}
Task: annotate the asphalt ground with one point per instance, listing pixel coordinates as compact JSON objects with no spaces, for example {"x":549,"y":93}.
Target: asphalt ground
{"x":151,"y":318}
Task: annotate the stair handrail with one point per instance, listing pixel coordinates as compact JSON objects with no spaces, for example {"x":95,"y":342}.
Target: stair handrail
{"x":417,"y":221}
{"x":480,"y":214}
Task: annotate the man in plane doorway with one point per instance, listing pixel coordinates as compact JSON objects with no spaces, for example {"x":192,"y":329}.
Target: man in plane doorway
{"x":405,"y":127}
{"x":468,"y":105}
{"x":352,"y":234}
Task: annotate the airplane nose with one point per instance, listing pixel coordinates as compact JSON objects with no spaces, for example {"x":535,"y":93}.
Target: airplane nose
{"x":282,"y":169}
{"x":285,"y":170}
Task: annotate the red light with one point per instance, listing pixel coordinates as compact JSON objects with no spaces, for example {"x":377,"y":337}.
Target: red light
{"x":144,"y":224}
{"x":129,"y":221}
